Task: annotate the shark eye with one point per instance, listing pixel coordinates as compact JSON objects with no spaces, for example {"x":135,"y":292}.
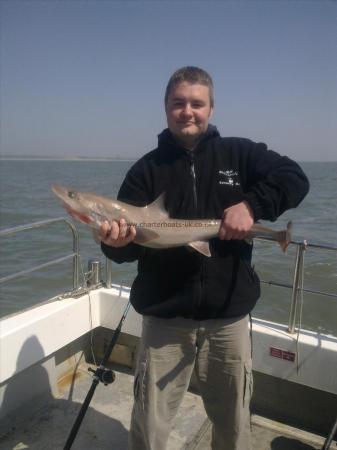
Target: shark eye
{"x":71,"y":194}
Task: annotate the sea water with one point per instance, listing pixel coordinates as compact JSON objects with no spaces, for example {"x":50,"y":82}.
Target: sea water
{"x":26,"y":197}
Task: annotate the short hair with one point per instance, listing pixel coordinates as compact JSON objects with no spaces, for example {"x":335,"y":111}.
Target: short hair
{"x":193,"y":75}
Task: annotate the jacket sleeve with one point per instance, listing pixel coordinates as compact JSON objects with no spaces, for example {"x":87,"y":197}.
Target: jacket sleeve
{"x":134,"y":190}
{"x":275,"y":183}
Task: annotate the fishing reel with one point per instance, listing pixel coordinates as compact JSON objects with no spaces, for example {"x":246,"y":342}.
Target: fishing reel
{"x":104,"y":375}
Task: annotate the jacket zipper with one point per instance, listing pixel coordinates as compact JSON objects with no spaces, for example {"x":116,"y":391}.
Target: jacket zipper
{"x":192,"y":171}
{"x":195,"y":201}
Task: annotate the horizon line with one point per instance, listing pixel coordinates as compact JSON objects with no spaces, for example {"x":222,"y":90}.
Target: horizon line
{"x":103,"y":158}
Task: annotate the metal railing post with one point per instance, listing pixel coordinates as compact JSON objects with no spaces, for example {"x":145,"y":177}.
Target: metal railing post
{"x":76,"y":261}
{"x":297,"y":286}
{"x":108,"y":272}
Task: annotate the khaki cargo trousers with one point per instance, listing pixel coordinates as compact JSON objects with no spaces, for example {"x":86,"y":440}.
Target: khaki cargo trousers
{"x":220,"y":352}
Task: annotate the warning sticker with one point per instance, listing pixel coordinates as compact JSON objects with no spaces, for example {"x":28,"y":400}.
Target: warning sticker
{"x":282,"y":354}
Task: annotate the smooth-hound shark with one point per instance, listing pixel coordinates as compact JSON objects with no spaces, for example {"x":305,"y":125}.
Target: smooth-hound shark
{"x":154,"y":227}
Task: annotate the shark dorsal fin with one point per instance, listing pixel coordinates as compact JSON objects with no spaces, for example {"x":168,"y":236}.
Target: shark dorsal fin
{"x":157,"y":208}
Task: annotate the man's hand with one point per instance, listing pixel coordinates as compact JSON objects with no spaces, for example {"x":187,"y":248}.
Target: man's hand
{"x":237,"y":221}
{"x":116,"y":234}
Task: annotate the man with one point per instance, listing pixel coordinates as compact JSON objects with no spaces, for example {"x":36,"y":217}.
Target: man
{"x":195,"y":308}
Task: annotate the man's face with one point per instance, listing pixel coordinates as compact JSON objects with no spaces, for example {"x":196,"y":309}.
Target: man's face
{"x":188,"y":110}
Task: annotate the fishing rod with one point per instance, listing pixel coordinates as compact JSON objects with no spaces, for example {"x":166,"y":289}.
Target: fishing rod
{"x":329,"y":439}
{"x":101,"y":374}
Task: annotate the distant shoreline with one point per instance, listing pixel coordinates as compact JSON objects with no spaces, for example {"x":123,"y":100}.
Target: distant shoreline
{"x":71,"y":158}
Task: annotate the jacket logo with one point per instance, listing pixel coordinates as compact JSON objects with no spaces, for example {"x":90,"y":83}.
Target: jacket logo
{"x":229,"y":177}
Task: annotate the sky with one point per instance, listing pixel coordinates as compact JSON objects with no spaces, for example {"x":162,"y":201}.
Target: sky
{"x":87,"y":78}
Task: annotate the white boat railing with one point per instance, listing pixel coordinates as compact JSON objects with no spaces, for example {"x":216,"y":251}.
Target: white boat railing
{"x":75,"y":255}
{"x":296,"y":286}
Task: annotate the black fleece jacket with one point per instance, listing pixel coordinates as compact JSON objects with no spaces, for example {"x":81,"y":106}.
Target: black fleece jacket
{"x":200,"y":184}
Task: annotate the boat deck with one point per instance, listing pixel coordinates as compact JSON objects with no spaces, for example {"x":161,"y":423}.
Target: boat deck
{"x":106,"y":423}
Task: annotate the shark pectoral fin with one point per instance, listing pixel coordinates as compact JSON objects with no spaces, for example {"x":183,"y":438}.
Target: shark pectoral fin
{"x":201,"y":247}
{"x":143,"y":236}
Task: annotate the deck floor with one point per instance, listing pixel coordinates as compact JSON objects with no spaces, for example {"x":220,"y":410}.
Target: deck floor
{"x":106,"y":423}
